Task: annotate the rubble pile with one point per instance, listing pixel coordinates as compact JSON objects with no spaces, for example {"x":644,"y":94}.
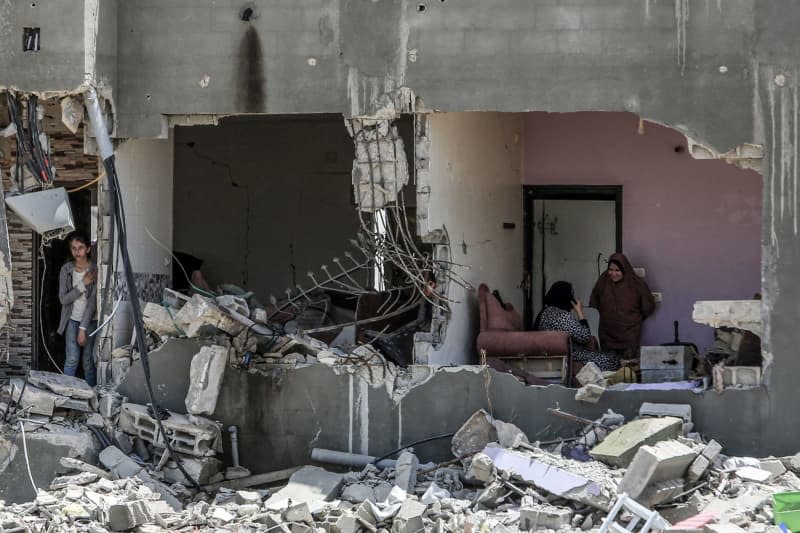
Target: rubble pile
{"x":654,"y":467}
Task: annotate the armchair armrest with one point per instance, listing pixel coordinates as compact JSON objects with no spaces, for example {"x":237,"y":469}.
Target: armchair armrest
{"x":511,"y":343}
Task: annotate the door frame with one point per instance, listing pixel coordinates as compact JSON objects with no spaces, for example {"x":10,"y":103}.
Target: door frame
{"x":532,"y":193}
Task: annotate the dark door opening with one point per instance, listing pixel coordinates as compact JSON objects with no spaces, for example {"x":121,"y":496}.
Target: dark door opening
{"x":46,"y":305}
{"x":569,"y":233}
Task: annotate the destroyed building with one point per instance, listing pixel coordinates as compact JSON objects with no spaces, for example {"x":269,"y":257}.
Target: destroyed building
{"x":394,"y":156}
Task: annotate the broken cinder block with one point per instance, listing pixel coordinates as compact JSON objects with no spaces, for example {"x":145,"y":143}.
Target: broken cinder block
{"x":544,"y":517}
{"x":664,"y":461}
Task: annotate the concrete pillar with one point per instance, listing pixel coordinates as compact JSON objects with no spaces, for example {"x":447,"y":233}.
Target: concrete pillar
{"x":144,"y":167}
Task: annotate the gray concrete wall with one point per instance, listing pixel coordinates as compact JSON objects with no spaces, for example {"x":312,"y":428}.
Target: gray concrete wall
{"x":59,"y":65}
{"x":282,"y":418}
{"x":286,"y":189}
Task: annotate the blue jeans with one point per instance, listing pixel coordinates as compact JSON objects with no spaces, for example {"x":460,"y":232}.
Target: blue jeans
{"x":77,"y":353}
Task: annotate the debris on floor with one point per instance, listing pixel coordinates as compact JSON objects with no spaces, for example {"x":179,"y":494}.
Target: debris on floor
{"x":651,"y":469}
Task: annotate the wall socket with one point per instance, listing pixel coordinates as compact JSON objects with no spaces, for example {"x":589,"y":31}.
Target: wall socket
{"x":658,"y":297}
{"x":639,"y":271}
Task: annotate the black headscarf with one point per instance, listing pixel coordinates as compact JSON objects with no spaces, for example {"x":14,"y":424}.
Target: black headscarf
{"x":560,"y":295}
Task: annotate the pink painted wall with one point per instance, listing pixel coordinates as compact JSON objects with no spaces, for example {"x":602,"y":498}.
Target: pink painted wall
{"x":695,"y":225}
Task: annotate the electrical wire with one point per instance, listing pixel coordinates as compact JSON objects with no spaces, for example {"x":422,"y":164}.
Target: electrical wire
{"x":175,"y":258}
{"x":27,"y":460}
{"x":88,"y":184}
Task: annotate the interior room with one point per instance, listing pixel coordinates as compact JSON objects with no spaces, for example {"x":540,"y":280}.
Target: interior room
{"x":541,"y":197}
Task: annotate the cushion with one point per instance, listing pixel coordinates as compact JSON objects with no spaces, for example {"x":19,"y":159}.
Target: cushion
{"x":499,"y":318}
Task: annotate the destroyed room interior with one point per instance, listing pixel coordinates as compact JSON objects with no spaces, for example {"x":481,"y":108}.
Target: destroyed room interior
{"x":392,"y":267}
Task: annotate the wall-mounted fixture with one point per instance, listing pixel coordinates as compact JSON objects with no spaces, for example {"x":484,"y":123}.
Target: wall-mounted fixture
{"x":31,"y":39}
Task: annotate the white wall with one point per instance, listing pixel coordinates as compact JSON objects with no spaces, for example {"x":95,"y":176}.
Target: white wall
{"x":475,"y":173}
{"x":144,"y":167}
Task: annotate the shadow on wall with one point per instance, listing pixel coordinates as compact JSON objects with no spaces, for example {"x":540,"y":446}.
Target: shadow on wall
{"x":252,"y":82}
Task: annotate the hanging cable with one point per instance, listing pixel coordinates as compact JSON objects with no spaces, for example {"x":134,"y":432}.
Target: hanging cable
{"x":106,"y":151}
{"x":27,"y":460}
{"x":88,"y":184}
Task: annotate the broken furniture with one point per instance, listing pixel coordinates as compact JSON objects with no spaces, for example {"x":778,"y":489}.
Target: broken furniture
{"x":538,"y":357}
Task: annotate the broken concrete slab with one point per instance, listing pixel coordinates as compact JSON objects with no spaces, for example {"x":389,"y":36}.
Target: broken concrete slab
{"x":169,"y":364}
{"x":547,"y":477}
{"x":751,"y":473}
{"x":46,"y":448}
{"x":205,"y":379}
{"x":773,"y":466}
{"x":200,"y":469}
{"x":69,"y":386}
{"x":620,"y":446}
{"x":664,"y":461}
{"x":308,"y":485}
{"x":660,"y":492}
{"x":118,"y":463}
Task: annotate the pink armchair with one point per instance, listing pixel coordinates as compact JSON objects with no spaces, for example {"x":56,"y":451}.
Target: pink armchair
{"x":504,"y":345}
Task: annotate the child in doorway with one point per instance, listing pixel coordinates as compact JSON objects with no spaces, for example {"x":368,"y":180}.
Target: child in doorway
{"x":76,"y":291}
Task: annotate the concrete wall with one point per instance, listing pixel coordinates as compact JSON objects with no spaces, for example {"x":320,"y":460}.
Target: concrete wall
{"x":263,"y":202}
{"x":144,"y":167}
{"x":694,"y":225}
{"x":475,"y":167}
{"x":313,"y":407}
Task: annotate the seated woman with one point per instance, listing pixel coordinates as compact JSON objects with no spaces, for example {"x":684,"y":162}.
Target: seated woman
{"x":556,"y":316}
{"x":624,"y":300}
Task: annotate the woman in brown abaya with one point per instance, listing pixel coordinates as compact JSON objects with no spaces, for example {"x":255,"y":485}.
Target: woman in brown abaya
{"x":624,"y":300}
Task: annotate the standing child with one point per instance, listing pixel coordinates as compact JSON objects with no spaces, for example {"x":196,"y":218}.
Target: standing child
{"x":76,"y":290}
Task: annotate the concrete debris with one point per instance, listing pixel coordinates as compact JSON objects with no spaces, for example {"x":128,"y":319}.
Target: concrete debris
{"x":620,"y":446}
{"x":205,"y":379}
{"x":497,"y":481}
{"x":591,"y":373}
{"x":590,"y":393}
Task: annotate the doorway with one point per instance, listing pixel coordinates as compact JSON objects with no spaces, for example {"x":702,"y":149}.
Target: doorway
{"x":569,"y":234}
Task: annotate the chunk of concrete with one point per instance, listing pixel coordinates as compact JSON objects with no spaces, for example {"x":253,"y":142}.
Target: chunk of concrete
{"x":84,"y":478}
{"x":591,"y":373}
{"x":160,"y":320}
{"x":201,"y":469}
{"x":409,"y":517}
{"x":751,"y":473}
{"x":773,"y":466}
{"x":358,"y":492}
{"x":200,"y":315}
{"x":678,"y":410}
{"x":120,"y":465}
{"x":660,"y":492}
{"x":299,"y":513}
{"x":621,"y":445}
{"x":405,"y":475}
{"x":481,"y":468}
{"x":205,"y":379}
{"x":193,"y":435}
{"x":128,"y":515}
{"x":64,"y":385}
{"x":509,"y":435}
{"x":663,"y":461}
{"x":698,"y":468}
{"x":544,"y":517}
{"x":474,"y":434}
{"x":310,"y":484}
{"x":589,"y":393}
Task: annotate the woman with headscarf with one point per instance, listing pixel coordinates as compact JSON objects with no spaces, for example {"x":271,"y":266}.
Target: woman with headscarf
{"x":556,"y":315}
{"x":624,"y":300}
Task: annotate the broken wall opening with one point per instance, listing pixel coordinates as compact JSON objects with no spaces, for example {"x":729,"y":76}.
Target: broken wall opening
{"x":694,"y":226}
{"x":29,"y":339}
